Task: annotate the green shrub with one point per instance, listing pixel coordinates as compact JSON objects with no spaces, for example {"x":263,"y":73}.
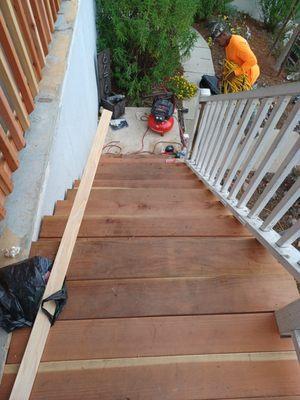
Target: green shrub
{"x":209,"y":8}
{"x":147,"y":39}
{"x":275,"y":11}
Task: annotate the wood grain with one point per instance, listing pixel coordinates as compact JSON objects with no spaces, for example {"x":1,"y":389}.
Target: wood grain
{"x":170,"y":381}
{"x":156,"y":336}
{"x":164,"y":257}
{"x":149,"y":183}
{"x":211,"y":223}
{"x":144,"y":202}
{"x":177,"y":296}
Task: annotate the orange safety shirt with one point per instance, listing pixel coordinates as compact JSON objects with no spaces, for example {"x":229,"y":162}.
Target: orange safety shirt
{"x":239,"y":52}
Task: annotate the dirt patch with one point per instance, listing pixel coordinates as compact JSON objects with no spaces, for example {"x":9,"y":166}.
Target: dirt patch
{"x":260,"y":42}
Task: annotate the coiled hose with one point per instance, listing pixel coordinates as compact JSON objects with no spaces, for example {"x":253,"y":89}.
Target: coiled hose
{"x":238,"y":83}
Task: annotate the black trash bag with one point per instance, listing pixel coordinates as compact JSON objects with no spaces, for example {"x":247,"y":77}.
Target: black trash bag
{"x":22,"y":286}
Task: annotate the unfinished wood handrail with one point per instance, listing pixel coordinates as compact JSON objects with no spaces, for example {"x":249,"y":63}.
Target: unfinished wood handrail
{"x":35,"y":347}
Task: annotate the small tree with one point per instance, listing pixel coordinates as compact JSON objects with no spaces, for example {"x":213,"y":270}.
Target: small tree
{"x":275,"y":11}
{"x":209,"y":8}
{"x":147,"y":39}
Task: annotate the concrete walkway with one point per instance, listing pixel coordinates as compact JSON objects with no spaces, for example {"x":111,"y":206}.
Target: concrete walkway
{"x":198,"y":64}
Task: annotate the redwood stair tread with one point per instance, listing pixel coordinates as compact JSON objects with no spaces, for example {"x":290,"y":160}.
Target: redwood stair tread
{"x":170,"y":297}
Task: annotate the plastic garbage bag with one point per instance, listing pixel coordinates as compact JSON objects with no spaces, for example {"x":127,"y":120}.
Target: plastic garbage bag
{"x":22,"y":286}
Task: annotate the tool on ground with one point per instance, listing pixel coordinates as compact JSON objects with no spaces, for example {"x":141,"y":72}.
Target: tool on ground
{"x":161,"y":118}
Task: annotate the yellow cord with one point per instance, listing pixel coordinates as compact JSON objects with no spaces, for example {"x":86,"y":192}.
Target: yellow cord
{"x":238,"y":83}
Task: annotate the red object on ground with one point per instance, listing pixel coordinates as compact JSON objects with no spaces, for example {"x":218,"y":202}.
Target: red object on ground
{"x":160,"y":127}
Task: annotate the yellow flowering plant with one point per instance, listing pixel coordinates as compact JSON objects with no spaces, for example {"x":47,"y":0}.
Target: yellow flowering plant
{"x":181,"y":87}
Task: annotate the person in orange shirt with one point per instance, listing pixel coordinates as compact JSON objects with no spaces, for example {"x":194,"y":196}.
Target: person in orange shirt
{"x":237,"y":51}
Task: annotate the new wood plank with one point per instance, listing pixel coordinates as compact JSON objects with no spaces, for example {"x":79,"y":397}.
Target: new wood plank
{"x":149,"y":183}
{"x":15,"y":65}
{"x":164,"y":257}
{"x":34,"y":7}
{"x":9,"y":153}
{"x":34,"y":32}
{"x":156,"y":336}
{"x":27,"y":31}
{"x":211,"y":223}
{"x":11,"y":121}
{"x":143,"y":171}
{"x":136,"y":159}
{"x":177,"y":296}
{"x":13,"y":92}
{"x":16,"y":35}
{"x":144,"y":202}
{"x":44,"y":20}
{"x":53,"y":10}
{"x":165,"y":380}
{"x":49,"y":15}
{"x":30,"y":362}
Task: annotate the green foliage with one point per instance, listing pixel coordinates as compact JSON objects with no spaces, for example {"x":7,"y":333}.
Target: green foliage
{"x":147,"y":39}
{"x":275,"y":11}
{"x":209,"y":8}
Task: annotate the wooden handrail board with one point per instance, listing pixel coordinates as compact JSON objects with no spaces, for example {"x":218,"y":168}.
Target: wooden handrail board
{"x":34,"y":32}
{"x":13,"y":92}
{"x":34,"y":350}
{"x":14,"y":29}
{"x":5,"y":176}
{"x":11,"y":121}
{"x":15,"y":65}
{"x":19,"y":6}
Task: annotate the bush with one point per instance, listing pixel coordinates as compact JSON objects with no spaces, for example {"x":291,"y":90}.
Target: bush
{"x":275,"y":11}
{"x":181,"y":87}
{"x":147,"y":40}
{"x":209,"y":8}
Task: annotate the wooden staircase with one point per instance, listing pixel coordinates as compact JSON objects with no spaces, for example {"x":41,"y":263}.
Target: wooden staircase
{"x":169,"y":297}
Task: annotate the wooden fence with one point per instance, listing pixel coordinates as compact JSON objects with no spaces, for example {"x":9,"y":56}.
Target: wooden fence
{"x":26,"y":28}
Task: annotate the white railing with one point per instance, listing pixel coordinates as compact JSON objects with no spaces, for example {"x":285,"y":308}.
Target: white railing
{"x":238,"y":140}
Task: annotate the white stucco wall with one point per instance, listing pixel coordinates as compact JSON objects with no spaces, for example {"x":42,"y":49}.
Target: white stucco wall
{"x":63,"y":125}
{"x":77,"y":122}
{"x":250,"y":7}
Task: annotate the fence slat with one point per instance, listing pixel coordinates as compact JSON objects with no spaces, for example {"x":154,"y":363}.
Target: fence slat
{"x":44,"y":18}
{"x":34,"y":32}
{"x":5,"y":174}
{"x":282,"y":137}
{"x":8,"y":152}
{"x":262,"y":141}
{"x":209,"y":132}
{"x":282,"y":207}
{"x":209,"y":120}
{"x":292,"y":159}
{"x":13,"y":92}
{"x":39,"y":24}
{"x":20,"y":12}
{"x":11,"y":122}
{"x":16,"y":35}
{"x":228,"y":116}
{"x":200,"y":131}
{"x":215,"y":135}
{"x":249,"y":140}
{"x":290,"y":235}
{"x":49,"y":15}
{"x":53,"y":10}
{"x":15,"y":65}
{"x":235,"y":140}
{"x":228,"y":135}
